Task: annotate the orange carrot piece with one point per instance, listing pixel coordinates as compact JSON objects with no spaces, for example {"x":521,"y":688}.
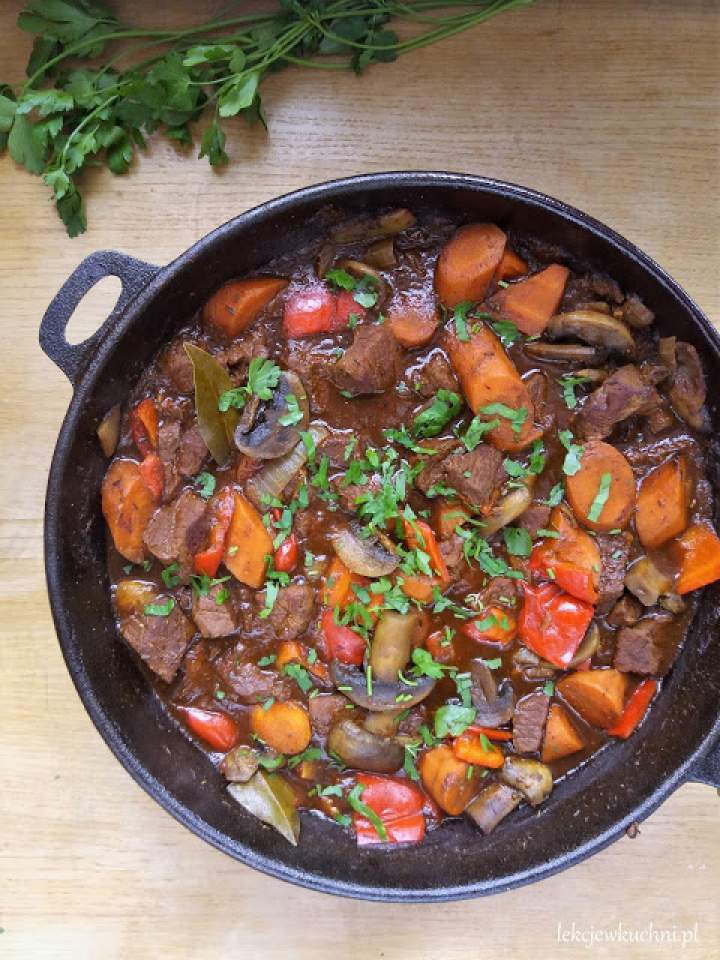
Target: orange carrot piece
{"x":233,"y":307}
{"x":411,"y":326}
{"x":561,"y":737}
{"x":447,"y":516}
{"x":467,"y":263}
{"x":283,"y":726}
{"x":663,"y":503}
{"x":510,"y":267}
{"x":531,"y":303}
{"x":338,"y":584}
{"x":597,"y":695}
{"x":421,"y":588}
{"x":247,"y":545}
{"x":419,"y":535}
{"x":488,"y":376}
{"x":598,"y":459}
{"x":469,"y":747}
{"x":127,"y":505}
{"x":697,"y":551}
{"x":445,"y":778}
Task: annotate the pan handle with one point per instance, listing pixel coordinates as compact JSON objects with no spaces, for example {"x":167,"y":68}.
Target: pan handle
{"x":133,"y":274}
{"x":707,"y":768}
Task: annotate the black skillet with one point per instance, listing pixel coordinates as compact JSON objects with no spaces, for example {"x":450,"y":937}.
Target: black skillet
{"x":620,"y":785}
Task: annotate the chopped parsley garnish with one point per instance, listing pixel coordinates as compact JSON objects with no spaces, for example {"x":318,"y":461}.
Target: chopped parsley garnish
{"x":453,"y":719}
{"x":263,"y":377}
{"x":340,"y":279}
{"x":402,"y":436}
{"x":507,"y":331}
{"x":271,"y":593}
{"x":206,"y":483}
{"x":311,"y":753}
{"x":493,"y":664}
{"x":159,"y":609}
{"x":353,"y":798}
{"x":555,"y":496}
{"x":516,"y":417}
{"x":571,"y":464}
{"x":270,"y":762}
{"x":266,"y":661}
{"x":548,"y":688}
{"x":549,"y":534}
{"x":299,"y":675}
{"x":294,"y":414}
{"x":518,"y":541}
{"x":568,"y":385}
{"x":169,"y":575}
{"x":222,"y":596}
{"x":202,"y":583}
{"x":459,"y":317}
{"x":444,"y":406}
{"x":424,"y":664}
{"x":601,"y":497}
{"x":476,"y":430}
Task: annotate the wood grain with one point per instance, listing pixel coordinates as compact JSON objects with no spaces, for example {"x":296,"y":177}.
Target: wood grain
{"x":610,"y":106}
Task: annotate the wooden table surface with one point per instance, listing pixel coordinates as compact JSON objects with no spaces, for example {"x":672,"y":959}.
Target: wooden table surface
{"x":610,"y":106}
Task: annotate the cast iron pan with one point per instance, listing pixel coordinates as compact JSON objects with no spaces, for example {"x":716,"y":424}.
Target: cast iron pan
{"x":621,"y":784}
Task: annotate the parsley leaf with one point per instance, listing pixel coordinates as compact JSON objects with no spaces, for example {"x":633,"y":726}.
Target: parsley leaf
{"x":159,"y":609}
{"x":364,"y":810}
{"x":571,"y":464}
{"x":459,"y":318}
{"x":476,"y":430}
{"x":516,"y":417}
{"x":294,"y":414}
{"x":555,"y":496}
{"x":518,"y":542}
{"x":206,"y":484}
{"x":601,"y":497}
{"x":568,"y":385}
{"x":453,"y":719}
{"x":444,"y":406}
{"x":507,"y":331}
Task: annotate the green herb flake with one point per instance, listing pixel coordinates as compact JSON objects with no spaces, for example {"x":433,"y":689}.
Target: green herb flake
{"x":601,"y":497}
{"x":294,"y":414}
{"x":430,"y":422}
{"x":206,"y":483}
{"x":169,"y":576}
{"x":571,"y":464}
{"x":517,"y":541}
{"x":160,"y":609}
{"x":353,"y":798}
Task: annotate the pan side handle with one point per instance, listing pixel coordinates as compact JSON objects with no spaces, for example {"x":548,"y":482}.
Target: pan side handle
{"x":133,"y":275}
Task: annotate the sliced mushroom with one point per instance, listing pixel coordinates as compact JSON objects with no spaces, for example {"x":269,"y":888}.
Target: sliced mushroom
{"x":529,"y":664}
{"x":379,"y":696}
{"x":391,"y":644}
{"x":360,"y":270}
{"x":647,"y":581}
{"x":508,"y":508}
{"x":688,"y":390}
{"x":594,"y":328}
{"x":270,"y":482}
{"x":593,"y":374}
{"x":494,"y":706}
{"x":363,"y":750}
{"x":588,"y":645}
{"x":268,"y":438}
{"x":239,"y":765}
{"x":531,"y":777}
{"x":382,"y":724}
{"x":109,"y":430}
{"x":492,"y":805}
{"x":363,"y":555}
{"x":381,"y":254}
{"x":563,"y":352}
{"x":386,"y":225}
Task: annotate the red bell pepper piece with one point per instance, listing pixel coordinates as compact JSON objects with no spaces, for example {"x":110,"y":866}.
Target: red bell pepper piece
{"x":346,"y":306}
{"x":341,"y":642}
{"x":208,"y":560}
{"x":318,"y":310}
{"x":635,"y":709}
{"x":492,"y":733}
{"x":503,"y":630}
{"x":398,"y":804}
{"x":152,"y":474}
{"x":286,"y":556}
{"x":573,"y":558}
{"x":144,"y":426}
{"x":217,"y":729}
{"x":441,"y":650}
{"x":552,"y":623}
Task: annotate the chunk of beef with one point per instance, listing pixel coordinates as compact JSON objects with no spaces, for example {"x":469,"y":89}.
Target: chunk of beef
{"x":626,"y":612}
{"x":250,"y":683}
{"x":435,"y":374}
{"x":161,"y":642}
{"x":177,"y":367}
{"x":369,"y":365}
{"x":529,"y":722}
{"x":500,"y":592}
{"x":622,"y":395}
{"x":484,"y":465}
{"x":647,"y":647}
{"x":293,"y":611}
{"x":192,"y":451}
{"x":168,"y":440}
{"x":323,"y":710}
{"x":433,"y":472}
{"x":581,"y":290}
{"x":242,"y":351}
{"x":660,"y":420}
{"x":452,"y":553}
{"x":636,"y":314}
{"x":216,"y":612}
{"x":537,"y":385}
{"x":536,"y":517}
{"x":614,"y":556}
{"x":176,"y":531}
{"x":689,"y":390}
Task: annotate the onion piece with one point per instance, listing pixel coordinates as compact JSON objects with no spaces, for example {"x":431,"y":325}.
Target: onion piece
{"x":270,"y":482}
{"x":109,"y":430}
{"x":364,"y":556}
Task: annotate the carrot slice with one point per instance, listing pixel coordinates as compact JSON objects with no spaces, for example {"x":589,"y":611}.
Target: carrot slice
{"x":233,"y":307}
{"x":487,"y":376}
{"x":411,"y":326}
{"x":531,"y":303}
{"x":597,"y":695}
{"x":698,"y":555}
{"x":445,"y":778}
{"x":470,"y":748}
{"x":447,"y":516}
{"x":247,"y":545}
{"x":603,"y":471}
{"x":127,"y":505}
{"x":663,"y":505}
{"x":467,"y":263}
{"x":561,"y":737}
{"x":510,"y":267}
{"x":284,"y":727}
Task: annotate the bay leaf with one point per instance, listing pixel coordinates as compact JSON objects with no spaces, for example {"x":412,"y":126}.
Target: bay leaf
{"x":271,"y":799}
{"x":211,"y":381}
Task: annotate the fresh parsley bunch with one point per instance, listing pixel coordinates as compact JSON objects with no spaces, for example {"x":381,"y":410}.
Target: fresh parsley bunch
{"x":96,"y":88}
